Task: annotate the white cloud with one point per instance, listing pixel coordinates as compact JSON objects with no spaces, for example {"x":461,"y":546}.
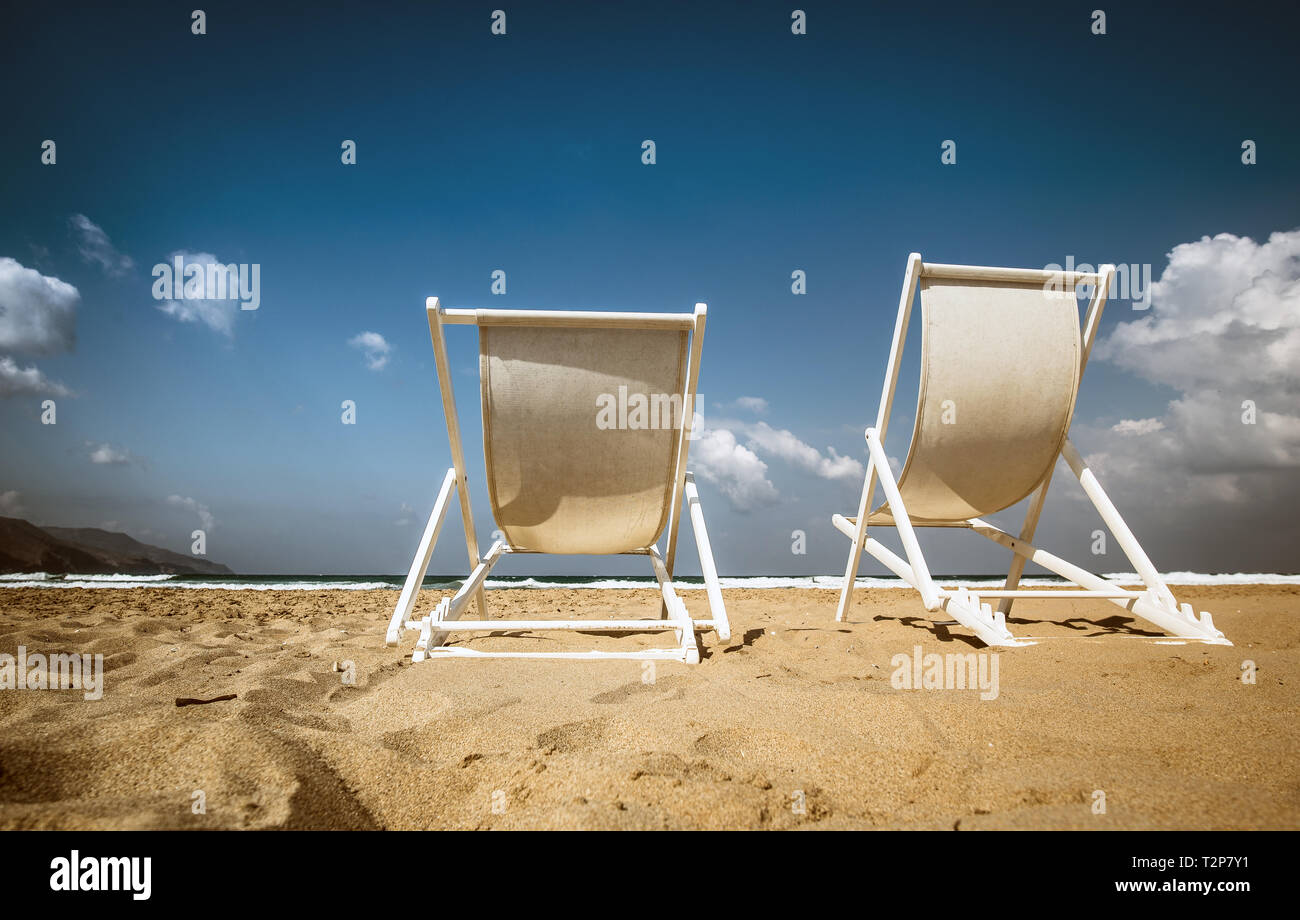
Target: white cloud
{"x":785,"y":445}
{"x":1138,"y":426}
{"x":38,"y":313}
{"x":109,"y":455}
{"x":11,"y":504}
{"x":205,"y":517}
{"x":755,"y":404}
{"x":1226,"y":313}
{"x":95,"y":246}
{"x":375,"y":348}
{"x":26,"y":381}
{"x":217,"y":313}
{"x":1224,"y":331}
{"x":1224,"y":328}
{"x":733,"y":468}
{"x":727,"y":456}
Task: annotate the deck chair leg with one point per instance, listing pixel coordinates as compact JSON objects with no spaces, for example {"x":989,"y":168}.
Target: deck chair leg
{"x":435,"y":314}
{"x":961,"y":605}
{"x":684,"y":435}
{"x":1158,"y":605}
{"x":907,"y":295}
{"x":451,"y":608}
{"x":850,"y":574}
{"x":925,"y":584}
{"x":717,"y":610}
{"x":1176,"y":620}
{"x":855,"y":551}
{"x":420,"y":565}
{"x":1110,"y":515}
{"x":690,"y":651}
{"x":1027,"y":534}
{"x":445,"y":619}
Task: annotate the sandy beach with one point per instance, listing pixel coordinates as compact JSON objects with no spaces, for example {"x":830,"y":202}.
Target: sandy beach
{"x":794,"y":723}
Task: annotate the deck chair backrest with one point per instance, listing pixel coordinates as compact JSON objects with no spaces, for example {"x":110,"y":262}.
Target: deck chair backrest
{"x":1000,"y":368}
{"x":561,"y":478}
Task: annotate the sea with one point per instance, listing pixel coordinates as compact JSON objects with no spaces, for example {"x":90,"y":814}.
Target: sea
{"x":450,"y":583}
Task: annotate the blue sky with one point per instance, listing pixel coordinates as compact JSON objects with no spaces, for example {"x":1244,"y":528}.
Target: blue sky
{"x":522,"y":152}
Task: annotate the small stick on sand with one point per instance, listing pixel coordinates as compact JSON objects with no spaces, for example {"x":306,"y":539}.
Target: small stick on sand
{"x":188,"y":701}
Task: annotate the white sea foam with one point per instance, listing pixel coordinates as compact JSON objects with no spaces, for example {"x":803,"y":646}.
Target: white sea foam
{"x":125,"y":578}
{"x":833,"y":582}
{"x":82,"y":582}
{"x":598,"y":583}
{"x":1197,"y":578}
{"x":815,"y":582}
{"x":287,"y":586}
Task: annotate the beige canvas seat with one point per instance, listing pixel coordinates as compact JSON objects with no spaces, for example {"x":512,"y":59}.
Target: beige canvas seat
{"x":1002,"y":354}
{"x":586,"y":428}
{"x":558,"y":482}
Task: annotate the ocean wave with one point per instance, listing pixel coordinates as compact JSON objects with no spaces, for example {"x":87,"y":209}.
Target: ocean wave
{"x":541,"y":582}
{"x":1198,"y":578}
{"x":81,"y":582}
{"x":625,"y":583}
{"x":124,"y":578}
{"x":287,"y":586}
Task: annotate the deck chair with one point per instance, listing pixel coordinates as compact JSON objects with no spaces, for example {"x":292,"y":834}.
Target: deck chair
{"x":1001,"y":358}
{"x":561,"y":481}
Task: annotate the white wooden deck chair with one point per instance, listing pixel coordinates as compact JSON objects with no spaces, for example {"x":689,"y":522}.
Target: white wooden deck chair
{"x":1002,"y":356}
{"x":559,"y":481}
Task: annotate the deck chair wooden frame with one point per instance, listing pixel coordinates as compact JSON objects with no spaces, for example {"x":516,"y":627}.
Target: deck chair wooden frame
{"x":435,"y":627}
{"x":1155,"y":604}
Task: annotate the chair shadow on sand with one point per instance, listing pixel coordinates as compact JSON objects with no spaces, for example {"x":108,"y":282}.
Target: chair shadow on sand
{"x":1116,"y":624}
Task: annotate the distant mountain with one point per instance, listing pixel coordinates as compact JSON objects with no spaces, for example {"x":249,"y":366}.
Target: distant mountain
{"x":24,"y":547}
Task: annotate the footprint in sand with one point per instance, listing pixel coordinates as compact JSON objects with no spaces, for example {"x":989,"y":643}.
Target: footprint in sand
{"x":625,"y":692}
{"x":573,"y":736}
